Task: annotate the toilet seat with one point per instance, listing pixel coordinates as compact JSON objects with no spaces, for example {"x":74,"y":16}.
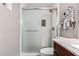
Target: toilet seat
{"x":47,"y":51}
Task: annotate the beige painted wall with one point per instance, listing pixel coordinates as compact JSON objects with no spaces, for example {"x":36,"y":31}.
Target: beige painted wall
{"x":9,"y":30}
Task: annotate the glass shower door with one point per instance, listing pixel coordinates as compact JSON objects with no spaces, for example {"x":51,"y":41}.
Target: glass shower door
{"x":35,"y":35}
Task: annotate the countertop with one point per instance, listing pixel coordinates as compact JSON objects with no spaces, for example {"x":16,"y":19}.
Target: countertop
{"x":69,"y":43}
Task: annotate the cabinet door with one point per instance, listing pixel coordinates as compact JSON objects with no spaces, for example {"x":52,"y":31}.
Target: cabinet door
{"x":61,"y":51}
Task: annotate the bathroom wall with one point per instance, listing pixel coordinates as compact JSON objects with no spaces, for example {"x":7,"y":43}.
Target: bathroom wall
{"x":9,"y":30}
{"x":55,"y":20}
{"x":69,"y":33}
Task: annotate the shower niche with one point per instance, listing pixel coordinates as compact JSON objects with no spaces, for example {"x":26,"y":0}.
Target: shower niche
{"x":43,"y":22}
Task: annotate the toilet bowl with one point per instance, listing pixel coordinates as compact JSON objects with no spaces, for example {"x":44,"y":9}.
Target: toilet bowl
{"x":49,"y":51}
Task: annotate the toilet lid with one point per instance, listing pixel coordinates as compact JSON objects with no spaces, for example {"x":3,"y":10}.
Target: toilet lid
{"x":47,"y":51}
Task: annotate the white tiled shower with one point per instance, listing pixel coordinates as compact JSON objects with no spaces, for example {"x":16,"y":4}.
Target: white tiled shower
{"x":34,"y":35}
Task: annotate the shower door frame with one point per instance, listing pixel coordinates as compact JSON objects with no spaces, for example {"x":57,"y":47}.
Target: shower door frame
{"x":21,"y":25}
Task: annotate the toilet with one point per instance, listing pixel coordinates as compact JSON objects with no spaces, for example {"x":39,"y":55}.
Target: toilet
{"x":49,"y":51}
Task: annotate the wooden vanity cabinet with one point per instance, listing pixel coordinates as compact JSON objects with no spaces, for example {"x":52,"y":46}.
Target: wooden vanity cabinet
{"x":61,"y":51}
